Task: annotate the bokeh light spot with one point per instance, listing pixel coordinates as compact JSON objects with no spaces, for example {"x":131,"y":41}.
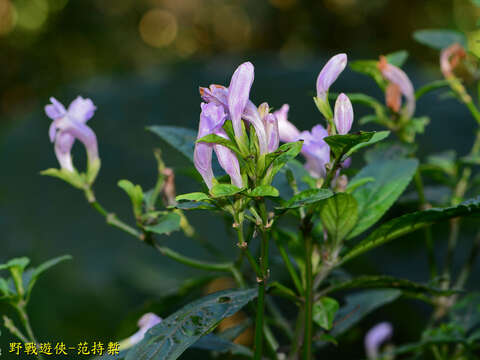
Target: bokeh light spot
{"x":7,"y":17}
{"x":32,"y":13}
{"x":158,"y":28}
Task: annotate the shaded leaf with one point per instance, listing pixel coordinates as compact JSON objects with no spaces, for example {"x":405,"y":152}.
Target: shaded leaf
{"x":280,"y":157}
{"x":215,"y":139}
{"x":195,"y":196}
{"x":169,"y":339}
{"x":341,"y":144}
{"x":439,"y":38}
{"x":408,"y":223}
{"x":306,"y":197}
{"x":182,"y":139}
{"x":339,"y":215}
{"x":166,"y":224}
{"x":20,"y":263}
{"x":221,"y":190}
{"x":397,"y":58}
{"x":375,"y":198}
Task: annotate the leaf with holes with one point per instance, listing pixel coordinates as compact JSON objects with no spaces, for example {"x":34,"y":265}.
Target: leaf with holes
{"x":169,"y":339}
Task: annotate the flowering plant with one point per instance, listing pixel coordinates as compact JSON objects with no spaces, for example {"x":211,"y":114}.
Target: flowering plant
{"x":292,"y":196}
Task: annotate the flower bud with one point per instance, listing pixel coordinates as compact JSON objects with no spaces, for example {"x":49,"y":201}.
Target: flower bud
{"x":329,"y":74}
{"x":238,"y":95}
{"x":343,"y":115}
{"x":375,"y":337}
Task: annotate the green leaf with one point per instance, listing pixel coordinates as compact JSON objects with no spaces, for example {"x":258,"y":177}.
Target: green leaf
{"x":166,"y":224}
{"x":215,"y":139}
{"x":135,"y":193}
{"x":182,"y":139}
{"x":408,"y":223}
{"x":359,"y":305}
{"x":169,"y":339}
{"x":445,"y":162}
{"x":356,"y":183}
{"x":39,"y":270}
{"x":193,"y":205}
{"x":397,"y":58}
{"x":324,"y":311}
{"x":263,"y":190}
{"x":439,"y":38}
{"x":375,"y":198}
{"x":377,"y":136}
{"x":370,"y":68}
{"x":339,"y":215}
{"x":383,"y":281}
{"x":20,"y":263}
{"x":4,"y":289}
{"x":221,"y":190}
{"x":306,"y":197}
{"x":219,"y":344}
{"x":341,"y":144}
{"x":195,"y":196}
{"x":73,"y":178}
{"x":473,"y":40}
{"x":278,"y":159}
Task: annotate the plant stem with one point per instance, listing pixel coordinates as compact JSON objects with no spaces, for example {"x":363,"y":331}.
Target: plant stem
{"x":8,"y":323}
{"x":290,"y":268}
{"x":20,"y":307}
{"x":308,"y":332}
{"x":467,"y":267}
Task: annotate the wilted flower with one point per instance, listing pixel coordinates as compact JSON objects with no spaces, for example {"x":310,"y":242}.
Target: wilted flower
{"x":236,"y":103}
{"x":146,"y":322}
{"x":375,"y":337}
{"x":69,"y":125}
{"x":398,"y":77}
{"x":212,"y":119}
{"x":450,"y":57}
{"x":343,"y":115}
{"x":330,"y":72}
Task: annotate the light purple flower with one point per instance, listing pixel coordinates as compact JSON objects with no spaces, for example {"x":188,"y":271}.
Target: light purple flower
{"x":252,"y":115}
{"x":270,"y":123}
{"x":316,"y":151}
{"x":145,"y":323}
{"x":239,"y":94}
{"x":212,"y":119}
{"x":287,"y":131}
{"x":375,"y":337}
{"x":330,"y":72}
{"x":398,"y":77}
{"x":69,"y":125}
{"x":343,"y":115}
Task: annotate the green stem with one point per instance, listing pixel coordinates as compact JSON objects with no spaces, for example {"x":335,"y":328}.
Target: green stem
{"x":308,"y":332}
{"x":468,"y":266}
{"x":24,"y":319}
{"x":8,"y":323}
{"x":291,"y":270}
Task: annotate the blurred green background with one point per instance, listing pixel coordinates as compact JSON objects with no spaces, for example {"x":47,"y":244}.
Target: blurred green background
{"x":141,"y":61}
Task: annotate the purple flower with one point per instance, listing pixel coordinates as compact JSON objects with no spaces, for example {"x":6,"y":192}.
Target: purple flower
{"x":343,"y":115}
{"x":212,"y":119}
{"x":398,"y":77}
{"x":235,"y":101}
{"x":239,"y":94}
{"x":270,"y":123}
{"x":375,"y":337}
{"x":145,"y":323}
{"x":69,"y":125}
{"x":329,"y":74}
{"x":316,"y":151}
{"x":287,"y":131}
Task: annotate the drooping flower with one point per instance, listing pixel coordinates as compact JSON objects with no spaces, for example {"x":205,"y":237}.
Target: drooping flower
{"x":329,"y":73}
{"x":397,"y":76}
{"x":375,"y":337}
{"x":70,"y":125}
{"x":236,"y":103}
{"x":212,"y":119}
{"x":145,"y":323}
{"x":287,"y":131}
{"x":343,"y":115}
{"x":450,"y":57}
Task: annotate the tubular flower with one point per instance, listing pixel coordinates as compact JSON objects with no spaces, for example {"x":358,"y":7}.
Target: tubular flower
{"x":375,"y":337}
{"x":343,"y":115}
{"x":145,"y":323}
{"x":286,"y":130}
{"x":398,"y":77}
{"x":330,"y":72}
{"x":70,"y":125}
{"x":450,"y":57}
{"x":270,"y":123}
{"x":236,"y":103}
{"x":212,"y":119}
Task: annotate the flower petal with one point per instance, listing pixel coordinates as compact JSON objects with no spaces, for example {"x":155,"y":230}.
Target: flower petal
{"x":55,"y":110}
{"x":329,"y":73}
{"x":375,"y":337}
{"x":63,"y":147}
{"x":253,"y":117}
{"x":239,"y":93}
{"x":343,"y":115}
{"x":228,"y":161}
{"x":286,"y":130}
{"x":81,"y":109}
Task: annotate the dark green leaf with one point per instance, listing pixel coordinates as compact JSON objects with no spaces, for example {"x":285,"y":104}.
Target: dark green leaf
{"x":324,"y":311}
{"x":218,"y":344}
{"x":193,"y":205}
{"x":39,"y":270}
{"x":397,"y":58}
{"x":180,"y":138}
{"x":408,"y":223}
{"x":359,"y":305}
{"x":306,"y":197}
{"x":221,"y":190}
{"x":375,"y":198}
{"x":195,"y":196}
{"x":169,"y":339}
{"x":166,"y":224}
{"x":377,"y":136}
{"x":339,"y":215}
{"x":342,"y":144}
{"x":263,"y":190}
{"x":439,"y":38}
